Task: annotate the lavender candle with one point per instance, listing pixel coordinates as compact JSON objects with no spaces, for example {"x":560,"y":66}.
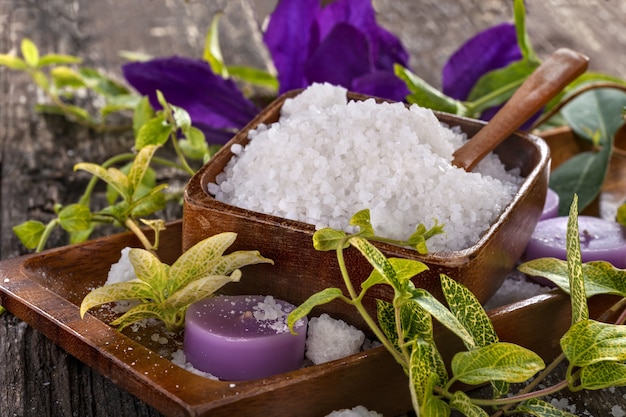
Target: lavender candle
{"x":551,"y":206}
{"x":243,"y":337}
{"x":600,"y":240}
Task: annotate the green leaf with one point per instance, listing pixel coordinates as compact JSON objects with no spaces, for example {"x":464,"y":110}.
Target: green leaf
{"x":30,"y":53}
{"x":322,"y":297}
{"x":541,"y":408}
{"x":140,"y":166}
{"x":212,"y":51}
{"x":497,"y":86}
{"x":112,"y":176}
{"x":405,"y":269}
{"x":601,"y":375}
{"x":155,"y":131}
{"x":150,"y":270}
{"x":597,"y":112}
{"x":199,"y":289}
{"x":58,"y":59}
{"x":588,"y":342}
{"x":66,"y":77}
{"x":75,"y":218}
{"x":13,"y":62}
{"x":131,"y":290}
{"x":468,"y":310}
{"x":181,"y":117}
{"x":149,"y":203}
{"x":425,"y":95}
{"x":327,"y":239}
{"x":578,"y":297}
{"x":194,"y":145}
{"x":442,"y":314}
{"x":254,"y":76}
{"x":498,"y":361}
{"x":463,"y":403}
{"x":418,"y":239}
{"x":30,"y":233}
{"x":361,"y":220}
{"x":142,"y":114}
{"x":102,"y":84}
{"x":523,"y":40}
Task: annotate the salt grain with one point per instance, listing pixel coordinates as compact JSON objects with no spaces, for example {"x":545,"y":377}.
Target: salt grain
{"x":327,"y":158}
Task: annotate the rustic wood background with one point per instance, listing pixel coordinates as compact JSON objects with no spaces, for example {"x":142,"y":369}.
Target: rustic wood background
{"x":37,"y":152}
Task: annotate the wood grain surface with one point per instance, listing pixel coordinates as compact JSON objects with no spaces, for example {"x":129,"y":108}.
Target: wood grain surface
{"x":37,"y":378}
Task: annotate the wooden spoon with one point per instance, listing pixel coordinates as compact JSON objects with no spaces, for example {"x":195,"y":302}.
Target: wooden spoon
{"x":562,"y":67}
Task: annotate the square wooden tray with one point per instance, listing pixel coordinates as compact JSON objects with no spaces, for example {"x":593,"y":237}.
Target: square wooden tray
{"x":45,"y":290}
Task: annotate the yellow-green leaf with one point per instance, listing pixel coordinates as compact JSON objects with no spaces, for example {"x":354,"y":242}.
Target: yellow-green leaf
{"x":13,"y":62}
{"x":235,"y":260}
{"x":198,"y":260}
{"x":590,"y":341}
{"x":498,"y":361}
{"x":325,"y":296}
{"x":30,"y":52}
{"x":140,"y":166}
{"x":150,"y":270}
{"x":462,"y":402}
{"x":212,"y":51}
{"x":541,"y":408}
{"x":138,"y":313}
{"x":603,"y":375}
{"x":131,"y":290}
{"x":200,"y":289}
{"x":580,"y":311}
{"x":327,"y":239}
{"x":112,"y":176}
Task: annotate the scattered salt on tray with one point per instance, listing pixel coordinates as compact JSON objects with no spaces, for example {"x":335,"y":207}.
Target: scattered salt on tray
{"x":329,"y":339}
{"x":358,"y":411}
{"x":327,"y":158}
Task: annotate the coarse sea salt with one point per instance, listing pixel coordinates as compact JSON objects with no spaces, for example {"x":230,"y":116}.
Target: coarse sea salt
{"x":327,"y":158}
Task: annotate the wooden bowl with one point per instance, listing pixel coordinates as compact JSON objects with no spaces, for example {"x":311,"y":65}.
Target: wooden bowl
{"x":302,"y":271}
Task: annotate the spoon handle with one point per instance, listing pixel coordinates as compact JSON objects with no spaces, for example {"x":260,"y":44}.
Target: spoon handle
{"x":562,"y":67}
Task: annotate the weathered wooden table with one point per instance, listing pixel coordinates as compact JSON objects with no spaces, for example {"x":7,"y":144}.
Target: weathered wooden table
{"x":37,"y":378}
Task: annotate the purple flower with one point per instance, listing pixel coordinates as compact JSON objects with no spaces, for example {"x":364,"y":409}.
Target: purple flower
{"x":216,"y":105}
{"x":341,"y":44}
{"x":489,"y":50}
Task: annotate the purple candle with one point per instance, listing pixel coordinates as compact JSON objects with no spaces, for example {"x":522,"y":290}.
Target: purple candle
{"x":600,"y":240}
{"x":551,"y":206}
{"x":243,"y":337}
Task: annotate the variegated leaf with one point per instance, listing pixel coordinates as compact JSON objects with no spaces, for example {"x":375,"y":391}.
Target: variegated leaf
{"x":236,"y":260}
{"x":138,"y":313}
{"x":198,"y":289}
{"x":130,"y":290}
{"x":150,"y":270}
{"x":199,"y":259}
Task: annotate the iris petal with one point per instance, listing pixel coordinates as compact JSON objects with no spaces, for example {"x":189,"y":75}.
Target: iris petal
{"x":382,"y":84}
{"x":341,"y":57}
{"x":288,"y":38}
{"x":209,"y":99}
{"x":491,"y":49}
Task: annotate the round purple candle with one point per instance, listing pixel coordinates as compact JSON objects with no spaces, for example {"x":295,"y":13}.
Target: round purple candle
{"x":600,"y":240}
{"x":243,"y":337}
{"x":551,"y":206}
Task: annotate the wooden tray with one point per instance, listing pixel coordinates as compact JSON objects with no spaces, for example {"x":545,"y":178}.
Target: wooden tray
{"x":45,"y":290}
